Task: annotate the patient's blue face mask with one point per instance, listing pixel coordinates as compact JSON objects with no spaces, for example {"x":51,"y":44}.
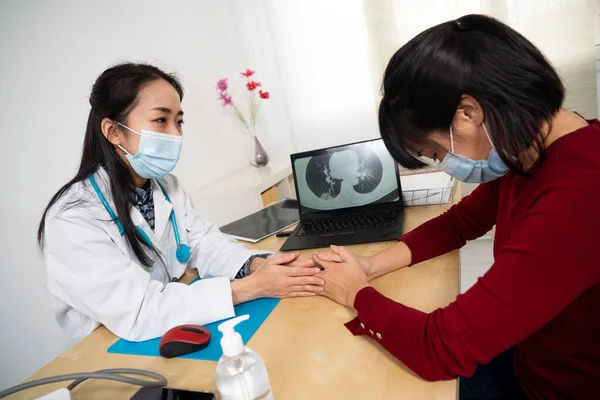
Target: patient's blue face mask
{"x":474,"y":171}
{"x":157,"y":154}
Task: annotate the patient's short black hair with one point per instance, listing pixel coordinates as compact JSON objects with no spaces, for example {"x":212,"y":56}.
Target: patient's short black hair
{"x":475,"y":55}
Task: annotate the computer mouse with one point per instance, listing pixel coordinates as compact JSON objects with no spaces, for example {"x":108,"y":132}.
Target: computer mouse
{"x":184,"y":339}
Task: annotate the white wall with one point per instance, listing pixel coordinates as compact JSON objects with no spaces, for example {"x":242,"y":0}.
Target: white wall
{"x":51,"y":54}
{"x":564,"y":30}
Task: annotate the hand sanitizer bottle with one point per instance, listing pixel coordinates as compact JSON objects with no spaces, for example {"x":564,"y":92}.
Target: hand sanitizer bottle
{"x":241,"y":373}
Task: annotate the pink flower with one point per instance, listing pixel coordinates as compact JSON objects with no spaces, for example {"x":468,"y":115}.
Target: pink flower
{"x":222,"y":84}
{"x":226,"y":99}
{"x":248,"y":73}
{"x":252,"y":85}
{"x":263,"y":95}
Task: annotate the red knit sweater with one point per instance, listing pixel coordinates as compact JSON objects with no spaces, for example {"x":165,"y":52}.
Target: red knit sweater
{"x":542,"y":292}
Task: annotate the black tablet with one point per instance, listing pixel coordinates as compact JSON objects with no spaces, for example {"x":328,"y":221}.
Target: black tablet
{"x":263,"y":223}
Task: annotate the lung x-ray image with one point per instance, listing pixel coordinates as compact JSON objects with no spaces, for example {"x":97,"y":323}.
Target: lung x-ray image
{"x":353,"y":176}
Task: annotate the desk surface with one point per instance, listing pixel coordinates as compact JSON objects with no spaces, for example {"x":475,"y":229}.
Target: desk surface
{"x":307,"y":350}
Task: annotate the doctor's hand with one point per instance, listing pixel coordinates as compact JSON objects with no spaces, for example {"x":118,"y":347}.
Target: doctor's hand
{"x":283,"y":275}
{"x":365,"y":262}
{"x":344,"y":277}
{"x":296,"y":262}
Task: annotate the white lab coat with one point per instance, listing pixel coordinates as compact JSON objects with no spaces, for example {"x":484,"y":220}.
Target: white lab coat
{"x":94,"y":277}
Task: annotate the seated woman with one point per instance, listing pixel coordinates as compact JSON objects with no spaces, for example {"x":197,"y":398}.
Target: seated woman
{"x":481,"y":98}
{"x":119,"y":234}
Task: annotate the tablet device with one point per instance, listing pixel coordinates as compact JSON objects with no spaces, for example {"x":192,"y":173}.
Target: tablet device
{"x":263,"y":223}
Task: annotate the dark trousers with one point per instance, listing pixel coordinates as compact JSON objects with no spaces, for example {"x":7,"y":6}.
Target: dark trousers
{"x":494,"y":381}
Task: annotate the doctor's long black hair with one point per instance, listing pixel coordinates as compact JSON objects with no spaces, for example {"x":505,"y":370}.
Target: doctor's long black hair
{"x":114,"y":94}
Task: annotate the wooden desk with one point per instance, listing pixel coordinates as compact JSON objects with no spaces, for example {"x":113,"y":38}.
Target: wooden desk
{"x":308,"y":352}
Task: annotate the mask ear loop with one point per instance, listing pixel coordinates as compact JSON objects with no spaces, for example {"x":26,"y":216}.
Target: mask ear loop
{"x":123,"y":148}
{"x":128,"y":128}
{"x":488,"y":135}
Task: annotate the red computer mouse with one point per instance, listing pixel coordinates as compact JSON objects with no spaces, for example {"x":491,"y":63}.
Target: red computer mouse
{"x":184,"y":339}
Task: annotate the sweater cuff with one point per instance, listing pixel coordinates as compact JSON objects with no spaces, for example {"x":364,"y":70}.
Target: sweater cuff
{"x":374,"y":312}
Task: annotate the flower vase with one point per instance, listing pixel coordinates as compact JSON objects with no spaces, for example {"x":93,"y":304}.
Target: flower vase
{"x":259,"y":157}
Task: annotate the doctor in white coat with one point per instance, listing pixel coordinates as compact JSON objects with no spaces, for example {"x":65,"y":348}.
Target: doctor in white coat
{"x":118,"y":235}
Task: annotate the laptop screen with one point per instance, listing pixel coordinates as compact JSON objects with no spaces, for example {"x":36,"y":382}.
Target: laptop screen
{"x":346,"y":176}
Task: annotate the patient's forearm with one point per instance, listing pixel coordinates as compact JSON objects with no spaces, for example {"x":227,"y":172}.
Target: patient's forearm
{"x":394,"y":257}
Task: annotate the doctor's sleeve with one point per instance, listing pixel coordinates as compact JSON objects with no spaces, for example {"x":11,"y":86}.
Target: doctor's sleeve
{"x":100,"y":281}
{"x":213,"y":252}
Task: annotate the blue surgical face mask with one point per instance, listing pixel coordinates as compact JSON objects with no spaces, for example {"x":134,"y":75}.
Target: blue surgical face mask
{"x":157,"y":154}
{"x":474,"y":171}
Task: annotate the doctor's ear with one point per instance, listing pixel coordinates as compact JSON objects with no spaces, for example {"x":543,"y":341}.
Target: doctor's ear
{"x":111,"y":131}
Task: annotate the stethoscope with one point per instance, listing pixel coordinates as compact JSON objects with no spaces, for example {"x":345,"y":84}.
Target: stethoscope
{"x":183,"y":250}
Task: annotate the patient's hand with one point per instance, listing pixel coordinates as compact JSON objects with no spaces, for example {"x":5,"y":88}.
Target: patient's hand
{"x":364,"y":262}
{"x":344,"y":278}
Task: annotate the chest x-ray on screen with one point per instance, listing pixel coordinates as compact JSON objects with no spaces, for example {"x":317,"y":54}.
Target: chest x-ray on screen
{"x":354,"y":176}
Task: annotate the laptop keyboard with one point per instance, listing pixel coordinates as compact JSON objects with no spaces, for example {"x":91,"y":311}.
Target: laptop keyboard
{"x":382,"y":219}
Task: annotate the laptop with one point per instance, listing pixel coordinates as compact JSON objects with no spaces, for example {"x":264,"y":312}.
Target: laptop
{"x":347,"y":194}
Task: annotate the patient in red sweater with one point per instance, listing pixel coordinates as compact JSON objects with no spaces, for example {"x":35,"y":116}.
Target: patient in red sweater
{"x":479,"y":97}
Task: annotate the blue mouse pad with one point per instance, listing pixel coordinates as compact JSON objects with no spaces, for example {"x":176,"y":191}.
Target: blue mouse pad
{"x":258,"y":310}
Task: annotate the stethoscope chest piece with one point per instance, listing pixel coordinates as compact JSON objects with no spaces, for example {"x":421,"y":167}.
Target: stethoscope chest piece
{"x":183,"y":253}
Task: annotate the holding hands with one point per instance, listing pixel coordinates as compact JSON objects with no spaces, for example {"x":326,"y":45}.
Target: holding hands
{"x":282,"y":276}
{"x":344,"y":273}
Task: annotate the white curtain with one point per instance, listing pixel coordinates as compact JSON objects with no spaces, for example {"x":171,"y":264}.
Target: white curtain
{"x":328,"y":56}
{"x":319,"y":52}
{"x":564,"y":30}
